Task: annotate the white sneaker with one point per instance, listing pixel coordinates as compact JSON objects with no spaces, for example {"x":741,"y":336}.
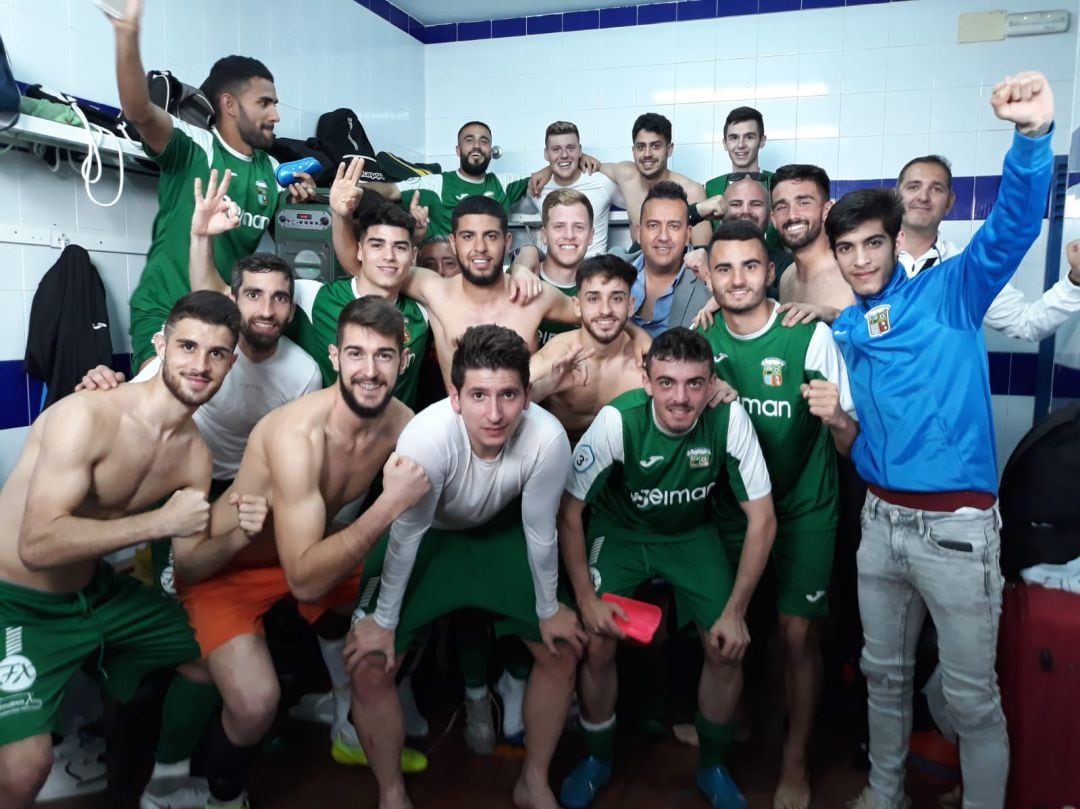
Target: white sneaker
{"x":868,"y":800}
{"x":314,"y":708}
{"x":479,"y":726}
{"x":78,"y":768}
{"x":175,"y":792}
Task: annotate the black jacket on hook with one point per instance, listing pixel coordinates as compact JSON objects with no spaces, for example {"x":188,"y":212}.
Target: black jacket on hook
{"x":69,"y":324}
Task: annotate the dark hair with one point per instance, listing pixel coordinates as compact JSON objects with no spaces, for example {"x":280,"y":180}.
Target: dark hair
{"x":804,"y":172}
{"x":864,"y":205}
{"x":679,"y":344}
{"x":652,"y":122}
{"x":261,"y":262}
{"x":738,"y":230}
{"x":492,"y":348}
{"x":667,"y":190}
{"x":436,"y":238}
{"x":208,"y":307}
{"x":467,"y":124}
{"x":383,"y":213}
{"x":740,"y":114}
{"x":608,"y":266}
{"x":374,"y":313}
{"x":228,"y":75}
{"x":480,"y":206}
{"x":934,"y":159}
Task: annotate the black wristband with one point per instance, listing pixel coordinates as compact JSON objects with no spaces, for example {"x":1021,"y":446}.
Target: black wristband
{"x":695,"y":217}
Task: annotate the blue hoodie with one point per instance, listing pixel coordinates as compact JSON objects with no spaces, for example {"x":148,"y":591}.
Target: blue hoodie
{"x":915,"y":351}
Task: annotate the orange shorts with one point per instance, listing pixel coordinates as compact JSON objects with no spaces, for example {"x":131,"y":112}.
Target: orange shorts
{"x":233,"y":602}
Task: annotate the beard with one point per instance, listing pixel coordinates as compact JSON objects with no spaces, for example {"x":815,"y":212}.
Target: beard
{"x":604,"y":339}
{"x":174,"y":386}
{"x":746,"y":306}
{"x":252,"y":135}
{"x":475,"y":169}
{"x":478,"y":280}
{"x":258,"y":339}
{"x":364,"y":411}
{"x":812,"y":231}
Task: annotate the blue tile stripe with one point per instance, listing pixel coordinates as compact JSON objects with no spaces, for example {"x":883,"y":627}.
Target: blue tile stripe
{"x":975,"y":196}
{"x":617,"y":17}
{"x":1011,"y":374}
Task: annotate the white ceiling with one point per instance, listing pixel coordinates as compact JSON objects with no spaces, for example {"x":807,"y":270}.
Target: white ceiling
{"x":433,"y":12}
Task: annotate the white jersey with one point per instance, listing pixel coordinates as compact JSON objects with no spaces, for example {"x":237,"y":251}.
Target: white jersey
{"x":600,"y":190}
{"x":249,"y":392}
{"x":467,"y":491}
{"x":1009,"y":313}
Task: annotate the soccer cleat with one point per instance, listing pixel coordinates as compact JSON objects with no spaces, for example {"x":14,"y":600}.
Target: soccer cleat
{"x":584,"y":782}
{"x":175,"y":792}
{"x":720,"y":789}
{"x":479,"y":726}
{"x":315,"y":708}
{"x":868,"y":800}
{"x":412,"y":761}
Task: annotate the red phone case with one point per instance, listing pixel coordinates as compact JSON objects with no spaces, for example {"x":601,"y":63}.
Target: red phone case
{"x":644,"y":617}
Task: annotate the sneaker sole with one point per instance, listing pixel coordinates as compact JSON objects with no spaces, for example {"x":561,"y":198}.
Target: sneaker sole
{"x":412,"y":761}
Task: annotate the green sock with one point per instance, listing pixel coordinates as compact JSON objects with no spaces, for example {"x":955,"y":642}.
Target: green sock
{"x":188,"y":707}
{"x":473,"y":647}
{"x":515,"y":656}
{"x":714,"y":740}
{"x":600,"y":739}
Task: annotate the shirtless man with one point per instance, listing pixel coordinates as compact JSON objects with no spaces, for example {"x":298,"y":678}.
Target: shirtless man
{"x":578,"y":372}
{"x":800,"y":203}
{"x":653,"y":147}
{"x":496,"y":468}
{"x":86,"y":485}
{"x":307,"y":459}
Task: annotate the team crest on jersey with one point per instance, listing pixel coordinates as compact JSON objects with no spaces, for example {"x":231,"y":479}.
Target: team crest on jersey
{"x":17,"y":673}
{"x":772,"y":371}
{"x":583,"y":458}
{"x":877,"y":320}
{"x":699,"y":457}
{"x":408,"y":337}
{"x":262,"y":193}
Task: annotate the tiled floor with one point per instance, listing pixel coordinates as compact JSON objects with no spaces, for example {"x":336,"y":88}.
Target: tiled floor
{"x":649,"y":773}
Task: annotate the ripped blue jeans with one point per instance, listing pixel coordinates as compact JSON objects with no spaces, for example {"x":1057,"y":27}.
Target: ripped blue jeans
{"x":947,"y":563}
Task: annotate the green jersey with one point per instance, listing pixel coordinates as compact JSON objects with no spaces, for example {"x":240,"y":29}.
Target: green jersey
{"x":767,"y":368}
{"x":549,"y":328}
{"x":442,"y":192}
{"x":322,"y":333}
{"x":638,"y":476}
{"x":192,"y":152}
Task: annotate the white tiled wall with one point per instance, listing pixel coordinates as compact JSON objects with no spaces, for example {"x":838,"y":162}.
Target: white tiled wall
{"x":856,"y":90}
{"x":338,"y":56}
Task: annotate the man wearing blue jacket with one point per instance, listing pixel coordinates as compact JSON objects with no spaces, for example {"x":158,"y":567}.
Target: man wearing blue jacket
{"x":917,"y":363}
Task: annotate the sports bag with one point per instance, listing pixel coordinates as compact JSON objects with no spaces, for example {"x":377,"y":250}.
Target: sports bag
{"x":1040,"y":510}
{"x":180,"y":100}
{"x":342,"y":136}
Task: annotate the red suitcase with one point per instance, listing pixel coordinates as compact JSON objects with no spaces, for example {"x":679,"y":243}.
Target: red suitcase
{"x":1039,"y":668}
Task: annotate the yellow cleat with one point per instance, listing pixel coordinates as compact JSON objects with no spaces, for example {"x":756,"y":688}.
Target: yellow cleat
{"x":412,"y":761}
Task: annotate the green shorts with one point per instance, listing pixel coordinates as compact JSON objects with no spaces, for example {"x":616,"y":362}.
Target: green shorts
{"x":486,"y":567}
{"x":118,"y":628}
{"x":694,"y":564}
{"x":802,"y":556}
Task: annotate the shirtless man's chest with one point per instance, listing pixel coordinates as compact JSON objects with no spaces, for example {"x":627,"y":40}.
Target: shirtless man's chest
{"x":824,"y":288}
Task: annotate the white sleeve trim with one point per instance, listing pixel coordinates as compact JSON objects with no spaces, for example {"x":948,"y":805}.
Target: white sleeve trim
{"x":428,"y":182}
{"x":598,"y":449}
{"x":823,"y":356}
{"x":1012,"y":315}
{"x":742,"y":444}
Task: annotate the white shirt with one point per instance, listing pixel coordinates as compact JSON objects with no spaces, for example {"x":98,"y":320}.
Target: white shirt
{"x":249,"y":392}
{"x":467,"y":491}
{"x":1009,"y":313}
{"x":600,"y":190}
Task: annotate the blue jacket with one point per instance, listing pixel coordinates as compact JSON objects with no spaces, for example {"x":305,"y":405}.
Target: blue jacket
{"x":915,"y":351}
